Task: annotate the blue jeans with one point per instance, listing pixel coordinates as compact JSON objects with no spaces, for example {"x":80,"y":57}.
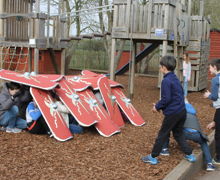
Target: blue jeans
{"x":197,"y":138}
{"x":9,"y":119}
{"x":185,"y":87}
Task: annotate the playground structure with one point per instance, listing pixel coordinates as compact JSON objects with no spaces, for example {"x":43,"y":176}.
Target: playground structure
{"x":26,"y":43}
{"x":35,"y":41}
{"x":167,"y":23}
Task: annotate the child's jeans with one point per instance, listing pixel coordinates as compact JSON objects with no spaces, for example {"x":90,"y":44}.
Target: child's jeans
{"x":9,"y":119}
{"x":217,"y":133}
{"x":196,"y":137}
{"x":185,"y":86}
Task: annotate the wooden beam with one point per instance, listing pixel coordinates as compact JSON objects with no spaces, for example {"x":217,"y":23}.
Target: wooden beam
{"x":132,"y":71}
{"x":189,"y":7}
{"x":30,"y":60}
{"x":36,"y":60}
{"x":112,"y":62}
{"x":63,"y":62}
{"x":37,"y":6}
{"x":1,"y":20}
{"x":201,"y":9}
{"x":48,"y":23}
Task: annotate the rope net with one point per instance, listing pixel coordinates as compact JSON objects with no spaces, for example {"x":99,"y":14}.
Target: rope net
{"x":14,"y":58}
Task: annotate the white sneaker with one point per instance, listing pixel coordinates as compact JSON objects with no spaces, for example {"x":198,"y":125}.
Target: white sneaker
{"x":13,"y":130}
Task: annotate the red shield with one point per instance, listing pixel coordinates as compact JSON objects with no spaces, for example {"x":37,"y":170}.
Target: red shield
{"x":76,"y":104}
{"x":110,"y":101}
{"x":92,"y":80}
{"x":105,"y":126}
{"x":114,"y":84}
{"x":52,"y":117}
{"x":53,"y":77}
{"x":38,"y":81}
{"x":88,"y":73}
{"x":77,"y":82}
{"x":126,"y":106}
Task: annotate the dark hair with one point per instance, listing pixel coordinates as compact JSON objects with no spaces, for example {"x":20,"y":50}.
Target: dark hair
{"x":215,"y":62}
{"x":13,"y":85}
{"x":169,"y":62}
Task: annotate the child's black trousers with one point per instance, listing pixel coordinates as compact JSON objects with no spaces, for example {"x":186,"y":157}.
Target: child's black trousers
{"x":175,"y":124}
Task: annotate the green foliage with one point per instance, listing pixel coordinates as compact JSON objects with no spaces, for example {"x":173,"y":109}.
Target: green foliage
{"x":212,"y":8}
{"x":89,"y":54}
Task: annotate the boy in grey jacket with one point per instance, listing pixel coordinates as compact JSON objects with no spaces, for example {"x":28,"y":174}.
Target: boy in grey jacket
{"x":192,"y":131}
{"x":11,"y":97}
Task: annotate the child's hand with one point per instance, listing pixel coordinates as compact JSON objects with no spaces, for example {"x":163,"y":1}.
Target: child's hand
{"x":206,"y":94}
{"x":211,"y":125}
{"x":154,"y":108}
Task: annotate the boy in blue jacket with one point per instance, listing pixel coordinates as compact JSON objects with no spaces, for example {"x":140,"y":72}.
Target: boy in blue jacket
{"x":192,"y":131}
{"x":173,"y":107}
{"x":214,"y":95}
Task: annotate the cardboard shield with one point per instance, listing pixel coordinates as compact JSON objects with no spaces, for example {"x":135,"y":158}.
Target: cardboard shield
{"x":105,"y":126}
{"x":75,"y":103}
{"x":77,"y":82}
{"x":92,"y":80}
{"x":126,"y":106}
{"x":53,"y":77}
{"x":110,"y":101}
{"x":38,"y":81}
{"x":88,"y":73}
{"x":52,"y":117}
{"x":114,"y":84}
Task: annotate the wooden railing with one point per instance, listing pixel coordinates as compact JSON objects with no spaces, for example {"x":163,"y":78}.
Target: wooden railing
{"x":155,"y":18}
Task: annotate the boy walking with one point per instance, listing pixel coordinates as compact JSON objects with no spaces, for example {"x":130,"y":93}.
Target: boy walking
{"x":214,"y":68}
{"x":173,"y":107}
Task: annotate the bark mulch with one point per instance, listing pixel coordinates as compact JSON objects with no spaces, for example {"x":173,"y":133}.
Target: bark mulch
{"x":91,"y":156}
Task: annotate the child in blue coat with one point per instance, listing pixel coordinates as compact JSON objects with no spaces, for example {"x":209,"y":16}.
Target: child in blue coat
{"x":192,"y":131}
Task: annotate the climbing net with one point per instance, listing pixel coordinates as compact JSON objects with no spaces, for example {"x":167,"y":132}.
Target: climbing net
{"x":14,"y":58}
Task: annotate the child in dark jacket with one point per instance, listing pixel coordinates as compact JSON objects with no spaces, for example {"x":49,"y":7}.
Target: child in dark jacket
{"x":173,"y":107}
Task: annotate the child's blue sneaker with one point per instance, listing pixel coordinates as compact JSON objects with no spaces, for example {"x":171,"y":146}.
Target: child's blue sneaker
{"x":210,"y":167}
{"x":191,"y":158}
{"x":165,"y":152}
{"x":149,"y":159}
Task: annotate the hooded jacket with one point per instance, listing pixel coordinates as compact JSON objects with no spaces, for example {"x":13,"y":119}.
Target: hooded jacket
{"x":6,"y":101}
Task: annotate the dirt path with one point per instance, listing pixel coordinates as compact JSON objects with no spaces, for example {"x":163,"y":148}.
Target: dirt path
{"x":91,"y":156}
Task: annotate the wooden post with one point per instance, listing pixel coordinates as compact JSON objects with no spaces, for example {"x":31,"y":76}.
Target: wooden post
{"x":112,"y":62}
{"x":36,"y":60}
{"x":128,"y":15}
{"x":189,"y":7}
{"x":149,"y":18}
{"x":48,"y":23}
{"x":63,"y":61}
{"x":177,"y":13}
{"x":1,"y":21}
{"x":131,"y":87}
{"x":30,"y":60}
{"x":201,"y":9}
{"x":37,"y":6}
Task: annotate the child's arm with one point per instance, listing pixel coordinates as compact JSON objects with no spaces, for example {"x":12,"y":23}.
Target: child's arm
{"x":211,"y":125}
{"x":214,"y":90}
{"x":165,"y":95}
{"x":33,"y":111}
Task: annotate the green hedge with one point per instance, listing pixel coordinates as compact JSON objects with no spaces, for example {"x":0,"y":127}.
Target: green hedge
{"x":89,"y":54}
